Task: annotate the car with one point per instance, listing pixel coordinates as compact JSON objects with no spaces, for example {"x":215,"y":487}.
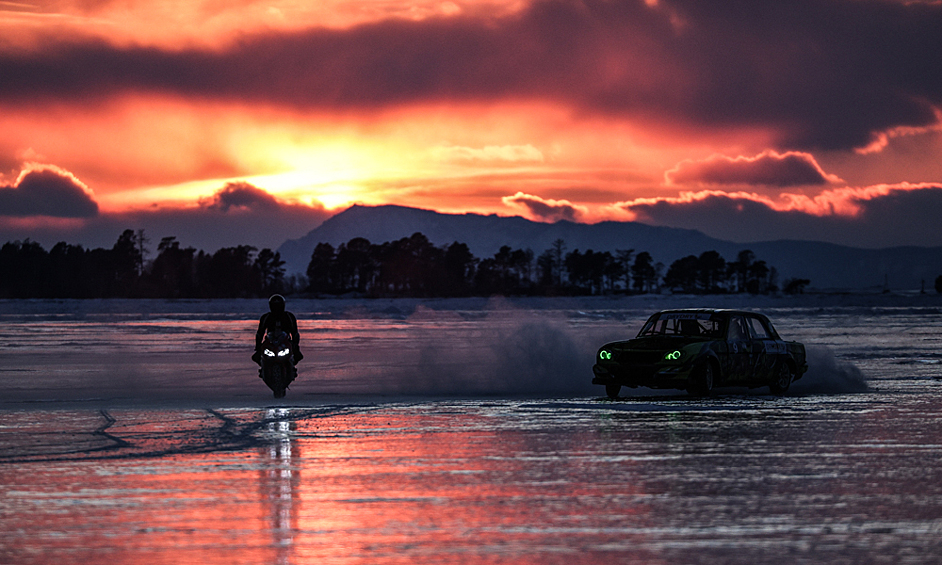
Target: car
{"x":698,"y":350}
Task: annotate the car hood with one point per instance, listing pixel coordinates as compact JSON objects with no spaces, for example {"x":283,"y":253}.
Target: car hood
{"x":655,"y":343}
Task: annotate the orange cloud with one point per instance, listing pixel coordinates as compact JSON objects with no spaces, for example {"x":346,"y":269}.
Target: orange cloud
{"x":495,"y":154}
{"x":174,"y":23}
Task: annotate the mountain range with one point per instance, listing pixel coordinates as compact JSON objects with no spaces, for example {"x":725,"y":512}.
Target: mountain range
{"x":826,"y":265}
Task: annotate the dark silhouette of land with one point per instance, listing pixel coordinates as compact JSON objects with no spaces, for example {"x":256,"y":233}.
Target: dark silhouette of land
{"x":407,"y":267}
{"x":829,"y":266}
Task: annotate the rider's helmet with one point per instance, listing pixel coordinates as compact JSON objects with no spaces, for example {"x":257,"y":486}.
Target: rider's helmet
{"x":276,"y":303}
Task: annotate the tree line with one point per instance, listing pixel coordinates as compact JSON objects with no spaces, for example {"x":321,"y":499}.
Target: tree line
{"x":411,"y":266}
{"x":27,"y":270}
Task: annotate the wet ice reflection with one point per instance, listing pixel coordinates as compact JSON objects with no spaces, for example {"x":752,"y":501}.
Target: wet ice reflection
{"x":725,"y":480}
{"x":153,"y":472}
{"x":279,"y":480}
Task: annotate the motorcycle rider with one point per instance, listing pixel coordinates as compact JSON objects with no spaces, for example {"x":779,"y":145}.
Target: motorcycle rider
{"x":277,"y":319}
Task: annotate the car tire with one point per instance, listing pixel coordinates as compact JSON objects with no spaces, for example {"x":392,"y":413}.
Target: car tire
{"x":701,"y":381}
{"x":612,"y":391}
{"x":783,"y":379}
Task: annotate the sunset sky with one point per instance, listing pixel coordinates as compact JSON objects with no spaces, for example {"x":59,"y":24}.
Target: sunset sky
{"x":249,"y":121}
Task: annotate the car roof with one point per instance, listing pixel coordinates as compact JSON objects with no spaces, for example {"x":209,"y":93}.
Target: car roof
{"x":710,"y":311}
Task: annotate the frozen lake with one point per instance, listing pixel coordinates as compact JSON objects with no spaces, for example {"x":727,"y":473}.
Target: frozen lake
{"x":462,"y":431}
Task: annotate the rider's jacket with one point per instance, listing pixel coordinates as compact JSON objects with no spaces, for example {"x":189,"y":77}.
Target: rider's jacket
{"x":278,"y":321}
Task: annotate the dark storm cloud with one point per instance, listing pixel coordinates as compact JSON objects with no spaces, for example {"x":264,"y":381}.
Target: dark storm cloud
{"x":545,"y":210}
{"x":821,"y":73}
{"x":47,"y":192}
{"x":901,"y":217}
{"x":241,"y":195}
{"x":235,"y":215}
{"x":767,"y":169}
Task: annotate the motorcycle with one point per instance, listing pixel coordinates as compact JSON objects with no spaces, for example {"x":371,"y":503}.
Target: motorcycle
{"x":277,"y":363}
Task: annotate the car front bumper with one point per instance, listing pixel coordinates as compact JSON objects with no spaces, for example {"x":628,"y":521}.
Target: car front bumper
{"x":651,"y":376}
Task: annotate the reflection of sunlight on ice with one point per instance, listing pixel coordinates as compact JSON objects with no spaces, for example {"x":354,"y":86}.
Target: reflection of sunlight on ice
{"x":279,"y":480}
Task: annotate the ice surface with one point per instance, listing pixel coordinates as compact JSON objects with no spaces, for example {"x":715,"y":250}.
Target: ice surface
{"x":197,"y":350}
{"x":460,"y":432}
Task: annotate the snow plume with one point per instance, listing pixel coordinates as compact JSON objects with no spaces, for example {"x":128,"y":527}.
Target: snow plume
{"x":509,"y":353}
{"x":829,"y":375}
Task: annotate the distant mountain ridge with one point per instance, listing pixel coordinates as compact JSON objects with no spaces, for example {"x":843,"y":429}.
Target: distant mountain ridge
{"x":827,"y":265}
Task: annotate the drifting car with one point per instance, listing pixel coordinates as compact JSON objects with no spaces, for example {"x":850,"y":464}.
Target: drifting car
{"x":699,"y":349}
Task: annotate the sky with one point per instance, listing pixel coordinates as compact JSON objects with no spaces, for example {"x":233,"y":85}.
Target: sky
{"x":250,"y":122}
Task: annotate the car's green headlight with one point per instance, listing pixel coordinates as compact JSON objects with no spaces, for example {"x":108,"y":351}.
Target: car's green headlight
{"x":605,"y":354}
{"x":674,"y":356}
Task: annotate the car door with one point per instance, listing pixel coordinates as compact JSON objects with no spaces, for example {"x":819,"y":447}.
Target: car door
{"x":765,"y":348}
{"x":739,"y":350}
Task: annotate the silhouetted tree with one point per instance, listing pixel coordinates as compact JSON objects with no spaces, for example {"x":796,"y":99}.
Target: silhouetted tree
{"x":623,"y":259}
{"x":546,"y":269}
{"x":408,"y":266}
{"x":758,"y":281}
{"x":459,"y":269}
{"x":550,"y":266}
{"x":24,"y":268}
{"x":320,"y":269}
{"x":643,"y":273}
{"x":172,"y":274}
{"x":738,"y":270}
{"x":711,"y":270}
{"x":614,"y":271}
{"x":355,"y":266}
{"x":682,"y":274}
{"x":142,"y":249}
{"x":795,"y":286}
{"x":271,"y":271}
{"x":230,"y":273}
{"x":411,"y":266}
{"x":72,"y":276}
{"x":559,"y":249}
{"x":127,"y":260}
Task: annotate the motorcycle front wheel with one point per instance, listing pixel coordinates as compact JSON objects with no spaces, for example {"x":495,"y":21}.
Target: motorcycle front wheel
{"x":278,"y":381}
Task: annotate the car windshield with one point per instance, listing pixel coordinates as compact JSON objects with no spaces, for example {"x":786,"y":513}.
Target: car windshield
{"x":694,"y":324}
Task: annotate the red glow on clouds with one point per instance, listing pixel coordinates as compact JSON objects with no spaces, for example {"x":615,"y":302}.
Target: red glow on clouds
{"x":581,"y":110}
{"x":845,"y":202}
{"x":770,"y":168}
{"x":47,"y":190}
{"x":545,"y":209}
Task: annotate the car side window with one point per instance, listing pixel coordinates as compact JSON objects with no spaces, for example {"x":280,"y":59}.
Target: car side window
{"x":759,"y":330}
{"x":737,"y":329}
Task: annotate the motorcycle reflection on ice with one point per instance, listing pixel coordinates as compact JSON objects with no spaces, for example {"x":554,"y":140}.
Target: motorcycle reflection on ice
{"x":277,"y":370}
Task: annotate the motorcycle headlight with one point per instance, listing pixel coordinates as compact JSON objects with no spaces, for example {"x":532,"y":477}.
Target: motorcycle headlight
{"x":284,"y":352}
{"x":674,"y":356}
{"x":269,"y":353}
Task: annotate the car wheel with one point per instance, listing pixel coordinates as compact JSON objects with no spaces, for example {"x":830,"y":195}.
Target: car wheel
{"x":783,"y":379}
{"x":701,"y":382}
{"x":612,"y":391}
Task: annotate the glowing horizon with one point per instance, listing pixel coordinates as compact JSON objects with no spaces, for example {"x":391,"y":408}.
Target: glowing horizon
{"x":549,"y":109}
